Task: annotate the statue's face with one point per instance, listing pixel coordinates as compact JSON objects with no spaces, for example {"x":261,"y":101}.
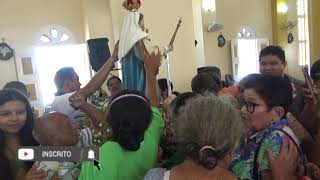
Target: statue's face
{"x":141,"y":24}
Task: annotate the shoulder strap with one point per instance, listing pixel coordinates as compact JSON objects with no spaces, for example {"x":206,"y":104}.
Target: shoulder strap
{"x":256,"y":174}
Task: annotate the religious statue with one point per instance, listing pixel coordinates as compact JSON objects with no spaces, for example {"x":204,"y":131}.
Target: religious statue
{"x":133,"y":35}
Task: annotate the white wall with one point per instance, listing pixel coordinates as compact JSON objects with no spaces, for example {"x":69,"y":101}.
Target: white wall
{"x":162,"y":25}
{"x":198,"y":31}
{"x":292,"y":50}
{"x":161,"y":18}
{"x":22,"y":22}
{"x":232,"y":14}
{"x":97,"y":14}
{"x":98,"y":23}
{"x":97,"y":18}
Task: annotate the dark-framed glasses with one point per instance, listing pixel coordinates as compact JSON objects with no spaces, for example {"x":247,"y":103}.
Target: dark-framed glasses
{"x":250,"y":106}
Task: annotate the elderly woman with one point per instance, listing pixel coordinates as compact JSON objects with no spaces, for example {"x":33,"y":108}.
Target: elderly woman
{"x":202,"y":131}
{"x":266,"y":100}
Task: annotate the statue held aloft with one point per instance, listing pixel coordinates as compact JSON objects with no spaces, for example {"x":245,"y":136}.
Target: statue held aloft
{"x":132,"y":38}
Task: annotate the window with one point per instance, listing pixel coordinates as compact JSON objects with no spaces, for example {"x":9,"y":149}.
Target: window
{"x":209,"y":5}
{"x":245,"y":52}
{"x":248,"y":64}
{"x":56,"y":50}
{"x":51,"y":58}
{"x":303,"y":32}
{"x":55,"y":35}
{"x":246,"y":32}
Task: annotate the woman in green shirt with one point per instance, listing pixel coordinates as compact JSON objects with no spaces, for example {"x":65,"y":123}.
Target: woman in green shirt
{"x":137,"y":126}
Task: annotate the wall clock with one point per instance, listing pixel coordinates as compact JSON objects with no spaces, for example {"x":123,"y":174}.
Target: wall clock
{"x":6,"y":52}
{"x":290,"y":38}
{"x":221,"y":41}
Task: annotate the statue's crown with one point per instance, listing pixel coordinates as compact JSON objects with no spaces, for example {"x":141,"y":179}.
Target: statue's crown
{"x":131,"y":5}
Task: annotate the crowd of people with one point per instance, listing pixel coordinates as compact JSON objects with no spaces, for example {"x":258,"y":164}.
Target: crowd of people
{"x":264,"y":127}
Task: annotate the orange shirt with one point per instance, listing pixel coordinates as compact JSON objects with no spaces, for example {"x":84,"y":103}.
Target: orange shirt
{"x":233,"y":90}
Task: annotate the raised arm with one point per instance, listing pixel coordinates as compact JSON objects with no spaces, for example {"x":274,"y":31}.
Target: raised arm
{"x":309,"y":117}
{"x":79,"y":99}
{"x":152,"y":63}
{"x":98,"y":79}
{"x":80,"y":102}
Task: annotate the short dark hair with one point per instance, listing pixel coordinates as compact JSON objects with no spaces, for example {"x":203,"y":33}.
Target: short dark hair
{"x":275,"y":91}
{"x":113,"y":77}
{"x":163,"y":84}
{"x":17,"y":85}
{"x":179,"y":102}
{"x":61,"y":76}
{"x":275,"y":51}
{"x":213,"y":71}
{"x":315,"y":69}
{"x":244,"y":80}
{"x":129,"y":118}
{"x":204,"y":82}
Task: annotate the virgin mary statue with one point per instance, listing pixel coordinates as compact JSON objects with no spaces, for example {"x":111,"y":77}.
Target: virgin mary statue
{"x":132,"y":62}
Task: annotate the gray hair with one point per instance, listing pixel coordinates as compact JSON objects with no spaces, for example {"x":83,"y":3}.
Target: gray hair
{"x":232,"y":100}
{"x":207,"y":120}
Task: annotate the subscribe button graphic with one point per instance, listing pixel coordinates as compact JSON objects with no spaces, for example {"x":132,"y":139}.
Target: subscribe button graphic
{"x":26,"y":154}
{"x":58,"y":153}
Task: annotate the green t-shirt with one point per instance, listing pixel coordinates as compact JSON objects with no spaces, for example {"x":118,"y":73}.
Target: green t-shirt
{"x":119,"y":164}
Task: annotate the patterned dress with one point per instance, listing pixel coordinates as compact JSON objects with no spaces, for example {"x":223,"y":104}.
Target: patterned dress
{"x":272,"y":138}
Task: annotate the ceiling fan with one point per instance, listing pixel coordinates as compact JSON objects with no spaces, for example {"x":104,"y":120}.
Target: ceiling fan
{"x":288,"y":26}
{"x":213,"y":26}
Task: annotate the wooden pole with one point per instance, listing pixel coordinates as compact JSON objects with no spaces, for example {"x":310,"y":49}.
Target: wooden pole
{"x":175,"y":32}
{"x":168,"y":60}
{"x":15,"y":64}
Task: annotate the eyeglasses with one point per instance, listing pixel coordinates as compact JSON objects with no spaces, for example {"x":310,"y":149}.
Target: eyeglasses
{"x":250,"y":106}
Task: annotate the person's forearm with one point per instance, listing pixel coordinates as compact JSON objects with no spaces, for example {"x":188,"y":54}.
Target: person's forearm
{"x":309,"y":118}
{"x":152,"y":89}
{"x":96,"y":116}
{"x":98,"y":79}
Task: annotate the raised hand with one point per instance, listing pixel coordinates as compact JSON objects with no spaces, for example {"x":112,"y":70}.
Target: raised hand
{"x":114,"y":56}
{"x":166,"y":103}
{"x":77,"y":99}
{"x":314,"y":170}
{"x":308,"y":97}
{"x":153,"y":62}
{"x":287,"y":160}
{"x":35,"y":174}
